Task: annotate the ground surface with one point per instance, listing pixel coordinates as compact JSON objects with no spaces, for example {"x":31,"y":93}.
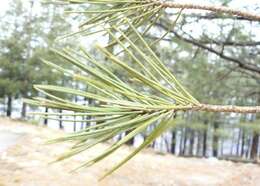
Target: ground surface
{"x":24,"y":162}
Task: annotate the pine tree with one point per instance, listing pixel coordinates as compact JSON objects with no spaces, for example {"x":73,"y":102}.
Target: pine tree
{"x":24,"y":41}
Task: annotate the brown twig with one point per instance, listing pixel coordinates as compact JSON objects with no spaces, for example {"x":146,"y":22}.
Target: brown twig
{"x":221,"y":108}
{"x":212,"y":8}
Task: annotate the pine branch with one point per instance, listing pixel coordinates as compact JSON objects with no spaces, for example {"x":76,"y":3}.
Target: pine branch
{"x":120,"y":107}
{"x":221,"y":108}
{"x":212,"y":8}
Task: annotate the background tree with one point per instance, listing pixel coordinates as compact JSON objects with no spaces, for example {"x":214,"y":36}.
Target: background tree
{"x":29,"y":29}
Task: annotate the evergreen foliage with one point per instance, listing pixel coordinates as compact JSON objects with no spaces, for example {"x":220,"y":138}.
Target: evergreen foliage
{"x":131,"y":83}
{"x":124,"y":108}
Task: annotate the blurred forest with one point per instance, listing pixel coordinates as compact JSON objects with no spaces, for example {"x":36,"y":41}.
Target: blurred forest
{"x":216,"y":57}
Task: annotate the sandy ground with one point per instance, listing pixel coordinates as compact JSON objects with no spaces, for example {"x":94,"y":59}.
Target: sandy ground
{"x":24,"y":162}
{"x":8,"y":139}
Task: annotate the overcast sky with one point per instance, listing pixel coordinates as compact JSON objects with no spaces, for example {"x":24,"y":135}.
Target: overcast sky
{"x":235,"y":3}
{"x":251,"y":4}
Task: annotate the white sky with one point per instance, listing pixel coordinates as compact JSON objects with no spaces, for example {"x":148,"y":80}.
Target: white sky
{"x":251,"y":4}
{"x":235,"y":3}
{"x":3,"y":6}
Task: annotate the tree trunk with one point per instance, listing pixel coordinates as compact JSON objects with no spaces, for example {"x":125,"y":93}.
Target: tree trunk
{"x":45,"y":122}
{"x":184,"y":141}
{"x":75,"y":124}
{"x":82,"y":123}
{"x":222,"y":147}
{"x":9,"y":106}
{"x":191,"y":143}
{"x":60,"y":122}
{"x":243,"y":144}
{"x":232,"y":143}
{"x":181,"y":141}
{"x":238,"y":142}
{"x":205,"y":135}
{"x":87,"y":101}
{"x":75,"y":117}
{"x":131,"y":141}
{"x":167,"y":144}
{"x":152,"y":145}
{"x":255,"y":142}
{"x":199,"y":144}
{"x":173,"y":142}
{"x":248,"y":147}
{"x":24,"y":109}
{"x":215,"y":139}
{"x":254,"y":148}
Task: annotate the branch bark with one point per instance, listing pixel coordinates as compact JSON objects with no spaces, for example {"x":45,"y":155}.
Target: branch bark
{"x":221,"y":108}
{"x":212,"y":8}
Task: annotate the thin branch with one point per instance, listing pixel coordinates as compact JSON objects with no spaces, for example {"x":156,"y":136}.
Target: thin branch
{"x":243,"y":65}
{"x":221,"y":108}
{"x":233,"y":43}
{"x":225,"y":43}
{"x":212,"y":8}
{"x":212,"y":16}
{"x":225,"y":75}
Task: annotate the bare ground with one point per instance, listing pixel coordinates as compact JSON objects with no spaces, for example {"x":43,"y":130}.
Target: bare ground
{"x":26,"y":163}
